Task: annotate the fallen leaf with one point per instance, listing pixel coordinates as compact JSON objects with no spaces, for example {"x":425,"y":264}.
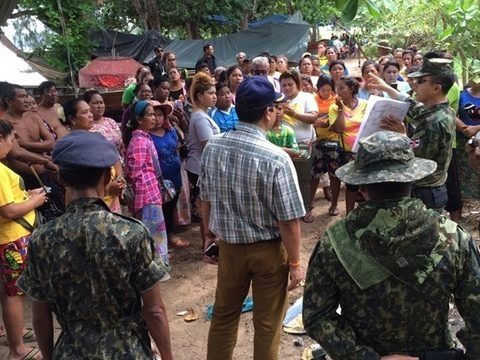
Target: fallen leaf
{"x":182,"y":313}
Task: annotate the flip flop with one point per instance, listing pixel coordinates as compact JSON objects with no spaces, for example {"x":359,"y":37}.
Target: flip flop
{"x":28,"y":334}
{"x":32,"y":354}
{"x":309,"y":217}
{"x":333,"y":212}
{"x":179,"y":244}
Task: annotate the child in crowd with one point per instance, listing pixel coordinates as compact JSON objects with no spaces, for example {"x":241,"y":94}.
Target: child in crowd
{"x":224,"y":113}
{"x":282,"y":135}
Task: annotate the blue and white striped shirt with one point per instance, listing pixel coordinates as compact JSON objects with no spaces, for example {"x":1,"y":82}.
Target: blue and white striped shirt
{"x":250,"y":183}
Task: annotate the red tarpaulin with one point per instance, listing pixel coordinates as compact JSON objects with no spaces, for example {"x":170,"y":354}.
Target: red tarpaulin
{"x":107,"y":72}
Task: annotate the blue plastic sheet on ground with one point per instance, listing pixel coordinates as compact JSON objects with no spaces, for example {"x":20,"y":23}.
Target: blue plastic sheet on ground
{"x":247,"y":306}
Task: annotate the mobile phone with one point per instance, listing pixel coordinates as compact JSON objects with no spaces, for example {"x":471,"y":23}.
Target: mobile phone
{"x":177,"y":104}
{"x":212,"y":250}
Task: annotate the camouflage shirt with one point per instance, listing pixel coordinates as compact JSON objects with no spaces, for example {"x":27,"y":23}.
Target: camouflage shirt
{"x":433,"y":138}
{"x":91,"y":266}
{"x":421,"y":258}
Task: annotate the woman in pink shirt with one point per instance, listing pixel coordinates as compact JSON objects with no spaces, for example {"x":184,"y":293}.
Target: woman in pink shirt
{"x":141,"y":164}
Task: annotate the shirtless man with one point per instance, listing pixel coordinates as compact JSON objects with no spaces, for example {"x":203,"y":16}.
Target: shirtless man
{"x":30,"y":132}
{"x":49,"y":108}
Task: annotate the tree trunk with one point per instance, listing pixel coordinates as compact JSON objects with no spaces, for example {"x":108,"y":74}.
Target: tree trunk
{"x":244,"y":23}
{"x":192,"y":30}
{"x":148,"y":12}
{"x":289,"y":7}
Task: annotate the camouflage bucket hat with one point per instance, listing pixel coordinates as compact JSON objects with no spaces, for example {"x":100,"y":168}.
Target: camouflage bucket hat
{"x":385,"y":156}
{"x":433,"y":67}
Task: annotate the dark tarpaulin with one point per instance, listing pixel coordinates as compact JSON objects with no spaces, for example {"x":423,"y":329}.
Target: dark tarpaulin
{"x":278,"y":39}
{"x":138,"y":47}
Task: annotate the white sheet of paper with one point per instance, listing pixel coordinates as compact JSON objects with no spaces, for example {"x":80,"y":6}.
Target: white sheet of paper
{"x":378,"y":108}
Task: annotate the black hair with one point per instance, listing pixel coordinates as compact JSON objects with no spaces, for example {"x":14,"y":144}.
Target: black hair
{"x":82,"y":178}
{"x":305,"y":57}
{"x":158,"y":47}
{"x":231,"y":69}
{"x":388,"y":190}
{"x":324,"y":79}
{"x":201,"y":66}
{"x":157,"y":81}
{"x":70,"y":109}
{"x":222,"y":78}
{"x":206,"y":46}
{"x":138,"y":86}
{"x":352,"y":83}
{"x":220,"y":85}
{"x":291,"y":75}
{"x":139,"y":71}
{"x":336,"y":62}
{"x":132,"y":123}
{"x":44,"y":86}
{"x":406,"y":52}
{"x":9,"y":92}
{"x":370,"y":62}
{"x":250,"y":115}
{"x":87,"y":96}
{"x":391,"y":63}
{"x":6,"y":128}
{"x":306,"y":78}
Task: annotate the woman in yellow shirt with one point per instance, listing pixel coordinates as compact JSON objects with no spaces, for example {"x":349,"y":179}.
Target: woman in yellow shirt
{"x":345,"y":118}
{"x":16,"y":204}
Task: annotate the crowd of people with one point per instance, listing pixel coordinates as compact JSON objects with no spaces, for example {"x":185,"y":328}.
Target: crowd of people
{"x":243,"y":150}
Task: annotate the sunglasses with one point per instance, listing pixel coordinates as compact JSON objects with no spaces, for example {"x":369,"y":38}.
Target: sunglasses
{"x":421,"y":81}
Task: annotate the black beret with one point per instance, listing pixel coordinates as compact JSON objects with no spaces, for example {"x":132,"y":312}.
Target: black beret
{"x":84,"y":149}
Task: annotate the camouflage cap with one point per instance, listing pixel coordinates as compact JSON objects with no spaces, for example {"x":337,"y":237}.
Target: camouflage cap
{"x":385,"y":156}
{"x":433,"y":67}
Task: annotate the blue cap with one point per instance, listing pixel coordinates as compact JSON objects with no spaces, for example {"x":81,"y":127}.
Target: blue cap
{"x":256,"y":92}
{"x":84,"y":149}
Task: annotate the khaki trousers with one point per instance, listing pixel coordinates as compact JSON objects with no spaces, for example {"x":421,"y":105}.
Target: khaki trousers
{"x":265,"y":265}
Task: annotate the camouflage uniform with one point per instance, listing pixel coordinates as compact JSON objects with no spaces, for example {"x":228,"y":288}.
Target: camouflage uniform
{"x":433,"y":138}
{"x":391,"y":265}
{"x":387,"y":308}
{"x":91,"y":266}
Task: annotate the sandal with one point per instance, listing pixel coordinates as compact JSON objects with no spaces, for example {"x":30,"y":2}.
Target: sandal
{"x":179,"y":244}
{"x":309,"y":217}
{"x":333,"y":212}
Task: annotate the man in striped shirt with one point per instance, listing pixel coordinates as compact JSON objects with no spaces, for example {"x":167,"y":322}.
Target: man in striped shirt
{"x":252,"y":203}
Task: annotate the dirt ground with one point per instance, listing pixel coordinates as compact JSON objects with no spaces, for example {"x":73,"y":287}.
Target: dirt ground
{"x":193,"y":286}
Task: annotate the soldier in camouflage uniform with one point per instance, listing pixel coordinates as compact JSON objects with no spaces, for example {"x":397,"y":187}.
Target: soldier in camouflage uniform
{"x":391,"y":265}
{"x":96,"y":270}
{"x":433,"y":122}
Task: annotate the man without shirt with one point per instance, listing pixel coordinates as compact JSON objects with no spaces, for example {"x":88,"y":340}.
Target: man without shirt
{"x":29,"y":132}
{"x":49,"y":109}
